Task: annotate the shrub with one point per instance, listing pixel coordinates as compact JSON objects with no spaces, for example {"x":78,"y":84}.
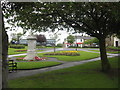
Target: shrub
{"x":72,"y":46}
{"x":17,"y":46}
{"x":110,"y":48}
{"x":90,"y":47}
{"x":59,"y":45}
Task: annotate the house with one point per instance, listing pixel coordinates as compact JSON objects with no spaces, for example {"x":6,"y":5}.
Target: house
{"x":79,"y":41}
{"x":25,"y":42}
{"x":116,"y":42}
{"x":50,"y":42}
{"x":113,"y":41}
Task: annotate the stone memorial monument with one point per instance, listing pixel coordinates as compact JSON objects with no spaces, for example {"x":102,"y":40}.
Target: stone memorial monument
{"x":31,"y":51}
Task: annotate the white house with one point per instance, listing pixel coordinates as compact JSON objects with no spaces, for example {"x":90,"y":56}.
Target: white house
{"x":113,"y":41}
{"x":116,"y":42}
{"x":79,"y":40}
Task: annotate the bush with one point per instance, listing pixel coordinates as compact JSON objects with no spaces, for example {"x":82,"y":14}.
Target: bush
{"x":110,"y":48}
{"x":59,"y":45}
{"x":17,"y":46}
{"x":89,"y":47}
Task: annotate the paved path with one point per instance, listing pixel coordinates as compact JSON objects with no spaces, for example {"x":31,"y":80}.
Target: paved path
{"x":22,"y":73}
{"x":47,"y":50}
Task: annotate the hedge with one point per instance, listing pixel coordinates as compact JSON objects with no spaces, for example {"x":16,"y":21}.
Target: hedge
{"x":17,"y":46}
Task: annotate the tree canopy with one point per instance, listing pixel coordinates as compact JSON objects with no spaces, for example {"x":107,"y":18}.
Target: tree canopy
{"x":41,"y":38}
{"x":91,"y":41}
{"x":70,"y":39}
{"x":96,"y":19}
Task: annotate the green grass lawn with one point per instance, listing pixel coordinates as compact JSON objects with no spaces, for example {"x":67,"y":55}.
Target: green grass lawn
{"x":112,"y":52}
{"x":35,"y":65}
{"x":12,"y":51}
{"x":83,"y":56}
{"x":86,"y":75}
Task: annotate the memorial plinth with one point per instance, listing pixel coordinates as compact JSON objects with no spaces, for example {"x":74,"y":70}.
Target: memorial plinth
{"x":31,"y":52}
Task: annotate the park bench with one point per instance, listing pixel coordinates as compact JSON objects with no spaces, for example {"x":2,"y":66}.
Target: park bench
{"x":12,"y":66}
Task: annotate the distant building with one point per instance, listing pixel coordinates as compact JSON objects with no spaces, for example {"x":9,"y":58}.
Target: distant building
{"x":50,"y":42}
{"x":116,"y":42}
{"x":112,"y":41}
{"x":23,"y":41}
{"x":79,"y":40}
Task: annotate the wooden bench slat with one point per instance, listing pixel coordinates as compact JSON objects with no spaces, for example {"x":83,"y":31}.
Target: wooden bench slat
{"x":13,"y":65}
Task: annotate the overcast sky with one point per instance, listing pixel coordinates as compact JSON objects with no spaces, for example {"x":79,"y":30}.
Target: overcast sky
{"x":61,"y":34}
{"x":49,"y":35}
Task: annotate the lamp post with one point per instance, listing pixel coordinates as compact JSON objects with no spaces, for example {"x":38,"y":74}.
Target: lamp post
{"x":76,"y":40}
{"x":54,"y":45}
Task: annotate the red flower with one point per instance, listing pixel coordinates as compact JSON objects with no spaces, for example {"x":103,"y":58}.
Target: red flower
{"x":21,"y":58}
{"x":38,"y":58}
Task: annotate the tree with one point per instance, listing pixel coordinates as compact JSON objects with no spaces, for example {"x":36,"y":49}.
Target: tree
{"x":28,"y":16}
{"x":19,"y":36}
{"x":96,"y":19}
{"x":70,"y":39}
{"x":91,"y":41}
{"x":16,"y":37}
{"x":4,"y":53}
{"x":41,"y":38}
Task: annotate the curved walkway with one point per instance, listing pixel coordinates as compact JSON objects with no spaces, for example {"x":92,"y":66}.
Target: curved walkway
{"x":22,"y":73}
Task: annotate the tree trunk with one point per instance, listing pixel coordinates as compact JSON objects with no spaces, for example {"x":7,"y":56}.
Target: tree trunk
{"x":4,"y":56}
{"x":104,"y":61}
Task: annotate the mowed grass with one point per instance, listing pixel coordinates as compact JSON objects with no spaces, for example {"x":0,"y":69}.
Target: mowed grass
{"x":83,"y":56}
{"x":112,"y":52}
{"x":35,"y":65}
{"x":86,"y":75}
{"x":12,"y":51}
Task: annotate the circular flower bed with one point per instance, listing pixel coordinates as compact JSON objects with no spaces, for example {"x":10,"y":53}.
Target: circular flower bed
{"x":20,"y":50}
{"x":66,"y":53}
{"x":36,"y":58}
